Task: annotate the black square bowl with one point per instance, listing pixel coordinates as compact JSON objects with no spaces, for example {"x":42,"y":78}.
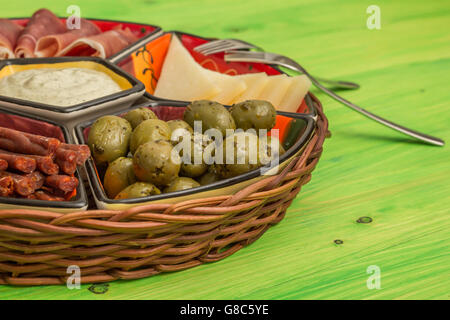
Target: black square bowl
{"x":299,"y":128}
{"x":36,"y":125}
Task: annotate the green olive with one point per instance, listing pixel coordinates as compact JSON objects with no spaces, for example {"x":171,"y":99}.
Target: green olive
{"x":181,"y":183}
{"x":118,"y":176}
{"x":138,"y":190}
{"x":256,"y":114}
{"x":109,"y":138}
{"x":155,"y":162}
{"x":136,"y":116}
{"x":243,"y":157}
{"x":193,"y":163}
{"x":212,"y":115}
{"x":208,"y":178}
{"x":266,"y":153}
{"x":179,"y":129}
{"x":193,"y":170}
{"x":149,"y":130}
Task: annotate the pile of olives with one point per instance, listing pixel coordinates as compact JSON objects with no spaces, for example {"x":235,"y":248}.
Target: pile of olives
{"x":139,"y":151}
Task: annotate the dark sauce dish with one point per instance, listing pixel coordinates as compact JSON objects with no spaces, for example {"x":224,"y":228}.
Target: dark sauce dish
{"x":130,"y":89}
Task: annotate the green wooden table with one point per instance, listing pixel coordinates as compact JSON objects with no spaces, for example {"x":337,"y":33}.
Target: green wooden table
{"x":365,"y":170}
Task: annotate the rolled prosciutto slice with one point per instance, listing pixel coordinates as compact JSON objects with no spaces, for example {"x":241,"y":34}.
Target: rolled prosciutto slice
{"x":51,"y":45}
{"x":42,"y":23}
{"x":9,"y":32}
{"x":102,"y":45}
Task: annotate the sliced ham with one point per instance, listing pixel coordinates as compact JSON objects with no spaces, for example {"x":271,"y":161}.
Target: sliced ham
{"x":9,"y":32}
{"x":102,"y":45}
{"x":42,"y":23}
{"x":52,"y":45}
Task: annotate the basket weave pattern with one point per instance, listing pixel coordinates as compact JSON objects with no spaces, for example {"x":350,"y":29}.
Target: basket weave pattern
{"x":37,"y":247}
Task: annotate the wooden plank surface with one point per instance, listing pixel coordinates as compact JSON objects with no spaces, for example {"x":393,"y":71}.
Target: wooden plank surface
{"x":366,"y":170}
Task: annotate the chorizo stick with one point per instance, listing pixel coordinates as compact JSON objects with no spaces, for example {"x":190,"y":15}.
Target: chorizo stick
{"x":42,"y":195}
{"x":59,"y":193}
{"x":37,"y":178}
{"x":44,"y":164}
{"x":18,"y":162}
{"x":23,"y":186}
{"x":6,"y":186}
{"x":62,"y":182}
{"x":26,"y":143}
{"x":83,"y":152}
{"x":66,"y":160}
{"x":3,"y":165}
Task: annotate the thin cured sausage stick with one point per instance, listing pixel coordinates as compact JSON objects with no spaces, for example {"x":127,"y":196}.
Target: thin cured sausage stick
{"x":50,"y":144}
{"x":66,"y":154}
{"x":37,"y":178}
{"x":66,"y":160}
{"x":59,"y":193}
{"x":23,"y":186}
{"x":22,"y":142}
{"x":18,"y":162}
{"x":42,"y":195}
{"x":67,"y":167}
{"x":45,"y":164}
{"x":3,"y":165}
{"x":6,"y":186}
{"x":62,"y":182}
{"x":82,"y":150}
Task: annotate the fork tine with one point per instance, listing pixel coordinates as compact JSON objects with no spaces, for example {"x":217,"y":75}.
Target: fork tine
{"x":224,"y":45}
{"x":217,"y":49}
{"x":206,"y":45}
{"x":227,"y":48}
{"x":210,"y":45}
{"x":245,"y":43}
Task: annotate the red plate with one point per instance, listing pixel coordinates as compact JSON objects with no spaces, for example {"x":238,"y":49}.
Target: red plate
{"x":146,"y":63}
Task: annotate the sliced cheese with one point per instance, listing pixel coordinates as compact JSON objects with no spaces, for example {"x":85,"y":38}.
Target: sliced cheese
{"x":182,"y":78}
{"x":230,"y":86}
{"x":255,"y":83}
{"x":275,"y":89}
{"x":295,"y":94}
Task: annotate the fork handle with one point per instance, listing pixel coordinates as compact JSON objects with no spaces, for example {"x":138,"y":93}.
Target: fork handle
{"x":420,"y":136}
{"x":339,"y":84}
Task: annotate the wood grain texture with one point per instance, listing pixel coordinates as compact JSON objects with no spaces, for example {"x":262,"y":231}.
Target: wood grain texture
{"x":365,"y":170}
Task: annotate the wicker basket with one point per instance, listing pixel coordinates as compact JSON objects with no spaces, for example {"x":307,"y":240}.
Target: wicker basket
{"x":37,"y":247}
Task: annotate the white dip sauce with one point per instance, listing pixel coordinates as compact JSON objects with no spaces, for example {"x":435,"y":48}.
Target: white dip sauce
{"x":58,"y":87}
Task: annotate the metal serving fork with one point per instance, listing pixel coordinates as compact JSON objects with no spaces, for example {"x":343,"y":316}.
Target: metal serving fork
{"x":224,"y":45}
{"x":276,"y":59}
